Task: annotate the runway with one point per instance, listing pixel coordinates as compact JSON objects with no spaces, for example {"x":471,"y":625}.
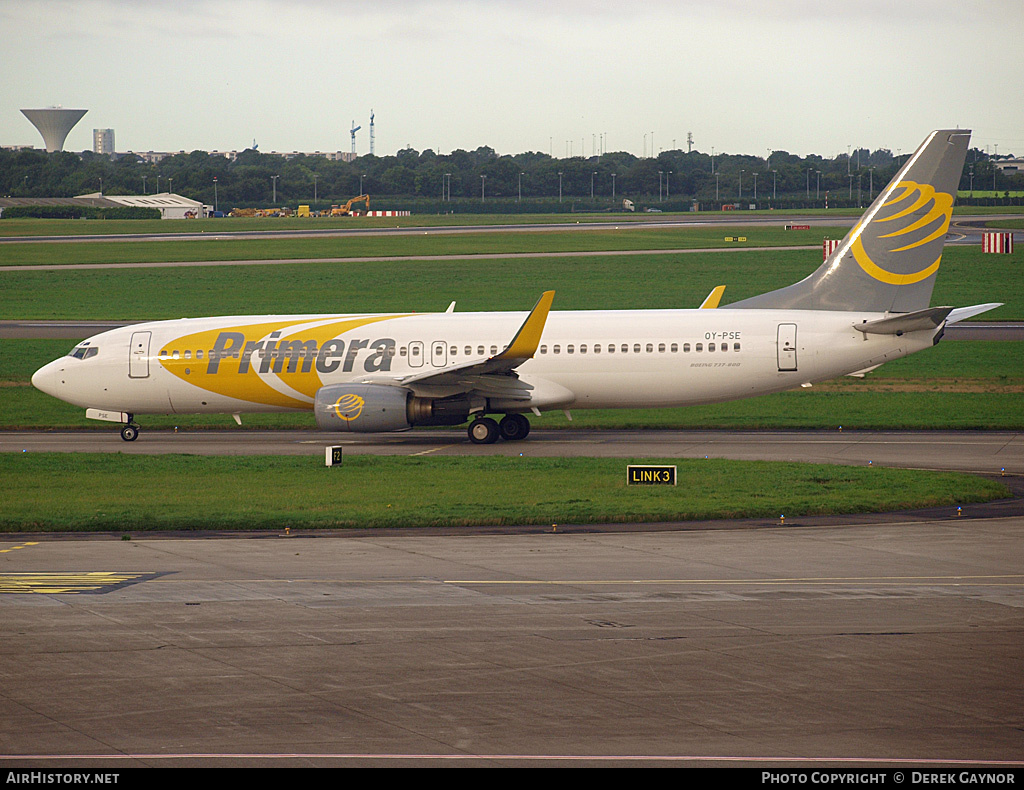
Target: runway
{"x":872,"y":646}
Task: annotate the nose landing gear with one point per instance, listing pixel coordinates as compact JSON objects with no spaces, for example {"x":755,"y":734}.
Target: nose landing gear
{"x":130,"y":432}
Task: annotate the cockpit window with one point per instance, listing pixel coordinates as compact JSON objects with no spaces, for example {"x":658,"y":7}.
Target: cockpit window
{"x":84,"y":351}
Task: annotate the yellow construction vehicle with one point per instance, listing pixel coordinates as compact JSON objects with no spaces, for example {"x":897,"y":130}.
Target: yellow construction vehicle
{"x":346,"y":210}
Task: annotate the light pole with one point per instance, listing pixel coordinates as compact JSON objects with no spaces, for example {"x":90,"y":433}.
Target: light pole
{"x":101,"y":186}
{"x":158,"y":184}
{"x":666,"y":183}
{"x":215,"y":193}
{"x":315,"y":177}
{"x":273,"y":180}
{"x":447,"y":176}
{"x":741,"y":184}
{"x":613,"y":187}
{"x":483,"y":187}
{"x":716,"y":185}
{"x":817,"y":189}
{"x":755,"y":186}
{"x":775,"y":176}
{"x":144,"y":185}
{"x":520,"y":200}
{"x":592,"y":184}
{"x":660,"y":191}
{"x":559,"y":186}
{"x":170,"y":184}
{"x":361,"y":183}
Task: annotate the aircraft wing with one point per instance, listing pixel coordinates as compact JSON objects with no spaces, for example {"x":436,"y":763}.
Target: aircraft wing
{"x":494,"y":376}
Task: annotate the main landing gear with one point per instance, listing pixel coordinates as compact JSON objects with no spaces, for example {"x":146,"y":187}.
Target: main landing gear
{"x":130,"y":432}
{"x":512,"y":428}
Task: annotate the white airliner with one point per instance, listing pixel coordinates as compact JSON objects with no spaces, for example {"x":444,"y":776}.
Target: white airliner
{"x":867,"y":304}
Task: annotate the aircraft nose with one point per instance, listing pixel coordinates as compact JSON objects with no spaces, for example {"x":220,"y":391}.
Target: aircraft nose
{"x":45,"y":379}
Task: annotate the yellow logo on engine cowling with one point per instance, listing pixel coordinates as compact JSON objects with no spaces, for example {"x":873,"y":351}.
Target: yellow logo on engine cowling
{"x":930,"y":207}
{"x":348,"y":407}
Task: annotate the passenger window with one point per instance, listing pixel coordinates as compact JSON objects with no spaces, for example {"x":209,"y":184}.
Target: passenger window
{"x":570,"y":349}
{"x":543,"y":349}
{"x":597,"y":348}
{"x":188,"y":354}
{"x":636,"y":348}
{"x":711,"y":346}
{"x":480,"y":350}
{"x":675,"y":348}
{"x":454,"y":351}
{"x":583,"y":348}
{"x":735,"y":346}
{"x":725,"y":346}
{"x":699,"y":347}
{"x":556,"y":349}
{"x":625,"y":348}
{"x":199,"y":354}
{"x":176,"y":355}
{"x":494,"y":350}
{"x":469,"y":350}
{"x":661,"y":348}
{"x":611,"y":348}
{"x":401,"y":351}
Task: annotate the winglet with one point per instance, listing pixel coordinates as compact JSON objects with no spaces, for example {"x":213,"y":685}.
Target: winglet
{"x":713,"y":298}
{"x":524,"y":344}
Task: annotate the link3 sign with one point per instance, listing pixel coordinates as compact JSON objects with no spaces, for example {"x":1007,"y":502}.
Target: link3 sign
{"x":647,"y":475}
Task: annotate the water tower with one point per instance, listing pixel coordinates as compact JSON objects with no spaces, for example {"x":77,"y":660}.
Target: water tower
{"x":53,"y":124}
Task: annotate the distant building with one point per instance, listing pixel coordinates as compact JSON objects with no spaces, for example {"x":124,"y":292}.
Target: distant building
{"x":1009,"y":167}
{"x":103,"y":141}
{"x":170,"y":205}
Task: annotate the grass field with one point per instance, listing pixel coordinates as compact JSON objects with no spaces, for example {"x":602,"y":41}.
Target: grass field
{"x":261,"y":493}
{"x":359,"y":246}
{"x":589,"y":282}
{"x":77,"y":227}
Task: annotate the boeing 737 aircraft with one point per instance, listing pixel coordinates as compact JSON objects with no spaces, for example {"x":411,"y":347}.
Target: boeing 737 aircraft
{"x":866,"y":305}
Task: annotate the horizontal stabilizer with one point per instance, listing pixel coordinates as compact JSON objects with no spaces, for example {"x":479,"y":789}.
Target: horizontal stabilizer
{"x":918,"y":321}
{"x":962,"y":313}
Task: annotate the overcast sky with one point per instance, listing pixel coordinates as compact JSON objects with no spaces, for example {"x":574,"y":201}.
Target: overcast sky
{"x":806,"y":76}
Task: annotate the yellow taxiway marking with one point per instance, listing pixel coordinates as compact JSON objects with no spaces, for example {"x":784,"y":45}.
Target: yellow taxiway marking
{"x":53,"y":583}
{"x":22,"y":546}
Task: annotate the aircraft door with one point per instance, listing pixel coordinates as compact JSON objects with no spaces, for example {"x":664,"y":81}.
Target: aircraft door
{"x":416,"y":354}
{"x":138,"y":355}
{"x":439,"y":354}
{"x":787,"y":346}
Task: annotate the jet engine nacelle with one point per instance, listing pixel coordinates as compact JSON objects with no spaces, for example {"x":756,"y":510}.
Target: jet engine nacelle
{"x":374,"y":408}
{"x":362,"y":408}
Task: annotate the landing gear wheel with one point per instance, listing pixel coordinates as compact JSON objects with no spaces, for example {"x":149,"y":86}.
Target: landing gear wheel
{"x":130,"y":433}
{"x":483,"y":431}
{"x":514,"y":427}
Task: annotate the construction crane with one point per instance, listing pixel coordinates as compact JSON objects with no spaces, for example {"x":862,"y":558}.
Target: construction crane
{"x":354,"y":130}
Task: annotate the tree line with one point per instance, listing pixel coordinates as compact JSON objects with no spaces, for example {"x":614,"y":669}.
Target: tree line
{"x":468,"y":180}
